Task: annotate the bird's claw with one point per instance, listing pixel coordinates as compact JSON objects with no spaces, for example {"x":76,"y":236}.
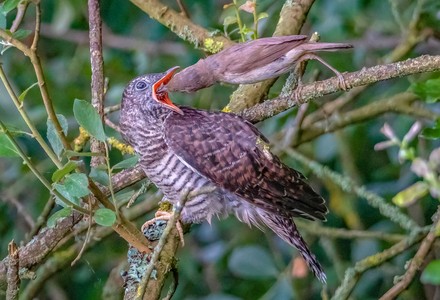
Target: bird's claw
{"x":165,"y":216}
{"x":341,"y":82}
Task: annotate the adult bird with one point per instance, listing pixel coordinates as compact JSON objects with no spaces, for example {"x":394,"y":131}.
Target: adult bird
{"x":255,"y":61}
{"x":184,"y":149}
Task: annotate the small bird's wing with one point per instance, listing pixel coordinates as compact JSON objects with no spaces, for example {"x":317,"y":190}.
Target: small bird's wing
{"x":241,"y":58}
{"x":232,"y":153}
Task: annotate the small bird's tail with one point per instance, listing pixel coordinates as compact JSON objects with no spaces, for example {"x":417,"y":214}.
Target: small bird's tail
{"x":318,"y":46}
{"x":285,"y":228}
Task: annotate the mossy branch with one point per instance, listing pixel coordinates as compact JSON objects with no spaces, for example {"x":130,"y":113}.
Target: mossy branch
{"x":353,"y":274}
{"x":347,"y":185}
{"x":267,"y":109}
{"x":180,"y":25}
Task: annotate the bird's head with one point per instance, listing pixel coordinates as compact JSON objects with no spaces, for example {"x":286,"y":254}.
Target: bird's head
{"x":149,"y":90}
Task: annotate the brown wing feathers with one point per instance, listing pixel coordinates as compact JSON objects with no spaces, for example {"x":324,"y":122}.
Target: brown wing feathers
{"x":223,"y":148}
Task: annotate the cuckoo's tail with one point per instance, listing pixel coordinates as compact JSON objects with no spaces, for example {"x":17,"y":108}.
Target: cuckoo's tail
{"x":286,"y":229}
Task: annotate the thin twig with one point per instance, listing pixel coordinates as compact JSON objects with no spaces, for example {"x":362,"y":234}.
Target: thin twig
{"x":347,"y":185}
{"x":36,"y":134}
{"x":37,"y":173}
{"x":98,"y":82}
{"x":415,"y":263}
{"x":407,"y":44}
{"x":353,"y":274}
{"x":183,"y":9}
{"x":113,"y":108}
{"x":341,"y":233}
{"x":21,"y":11}
{"x":32,"y":254}
{"x":177,"y":209}
{"x":396,"y":103}
{"x":112,"y":40}
{"x":37,"y":26}
{"x":173,"y":286}
{"x":329,"y":108}
{"x":61,"y":259}
{"x":267,"y":109}
{"x":181,"y":26}
{"x":294,"y":131}
{"x":88,"y":233}
{"x":47,"y":101}
{"x":112,"y":125}
{"x":13,"y":279}
{"x":42,"y":218}
{"x":110,"y":184}
{"x":21,"y":209}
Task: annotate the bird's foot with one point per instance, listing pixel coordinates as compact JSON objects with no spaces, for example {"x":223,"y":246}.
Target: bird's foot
{"x":165,"y":216}
{"x":341,"y":82}
{"x":297,"y":91}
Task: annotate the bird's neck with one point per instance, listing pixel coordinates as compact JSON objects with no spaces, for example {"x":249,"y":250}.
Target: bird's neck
{"x":138,"y":124}
{"x":156,"y":114}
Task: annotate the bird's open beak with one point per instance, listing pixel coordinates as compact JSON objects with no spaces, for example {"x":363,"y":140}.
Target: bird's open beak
{"x":160,"y":93}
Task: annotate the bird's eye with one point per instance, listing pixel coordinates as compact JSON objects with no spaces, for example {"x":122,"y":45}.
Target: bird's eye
{"x":141,"y":85}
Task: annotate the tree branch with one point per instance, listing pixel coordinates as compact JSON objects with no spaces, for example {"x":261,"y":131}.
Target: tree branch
{"x":45,"y":241}
{"x":353,"y":274}
{"x":319,"y":230}
{"x":337,"y":121}
{"x":38,"y":69}
{"x":112,"y":40}
{"x":267,"y":109}
{"x":180,"y":25}
{"x":41,"y":245}
{"x":415,"y":263}
{"x":347,"y":185}
{"x":12,"y":276}
{"x":97,"y":84}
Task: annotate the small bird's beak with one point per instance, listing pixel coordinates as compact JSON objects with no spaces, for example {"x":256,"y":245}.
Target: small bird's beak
{"x":160,"y":93}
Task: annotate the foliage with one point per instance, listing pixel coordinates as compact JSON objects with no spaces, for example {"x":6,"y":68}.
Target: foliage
{"x":378,"y":200}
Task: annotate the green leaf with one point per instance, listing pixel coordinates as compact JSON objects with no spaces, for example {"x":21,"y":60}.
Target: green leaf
{"x":99,"y":176}
{"x":104,"y":217}
{"x":2,"y":22}
{"x":4,"y":48}
{"x":52,"y":134}
{"x":411,"y":194}
{"x":9,"y":5}
{"x":89,"y":119}
{"x":428,"y":90}
{"x":229,"y":20}
{"x":432,"y":133}
{"x":21,"y":34}
{"x":23,"y":95}
{"x":77,"y":185}
{"x":282,"y":289}
{"x":245,"y":30}
{"x":66,"y":169}
{"x":7,"y":149}
{"x":431,"y":274}
{"x":262,"y":15}
{"x":252,"y":262}
{"x":62,"y":213}
{"x":126,"y":163}
{"x":64,"y":192}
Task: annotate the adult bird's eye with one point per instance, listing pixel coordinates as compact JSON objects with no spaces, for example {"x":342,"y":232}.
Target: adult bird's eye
{"x":141,"y":85}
